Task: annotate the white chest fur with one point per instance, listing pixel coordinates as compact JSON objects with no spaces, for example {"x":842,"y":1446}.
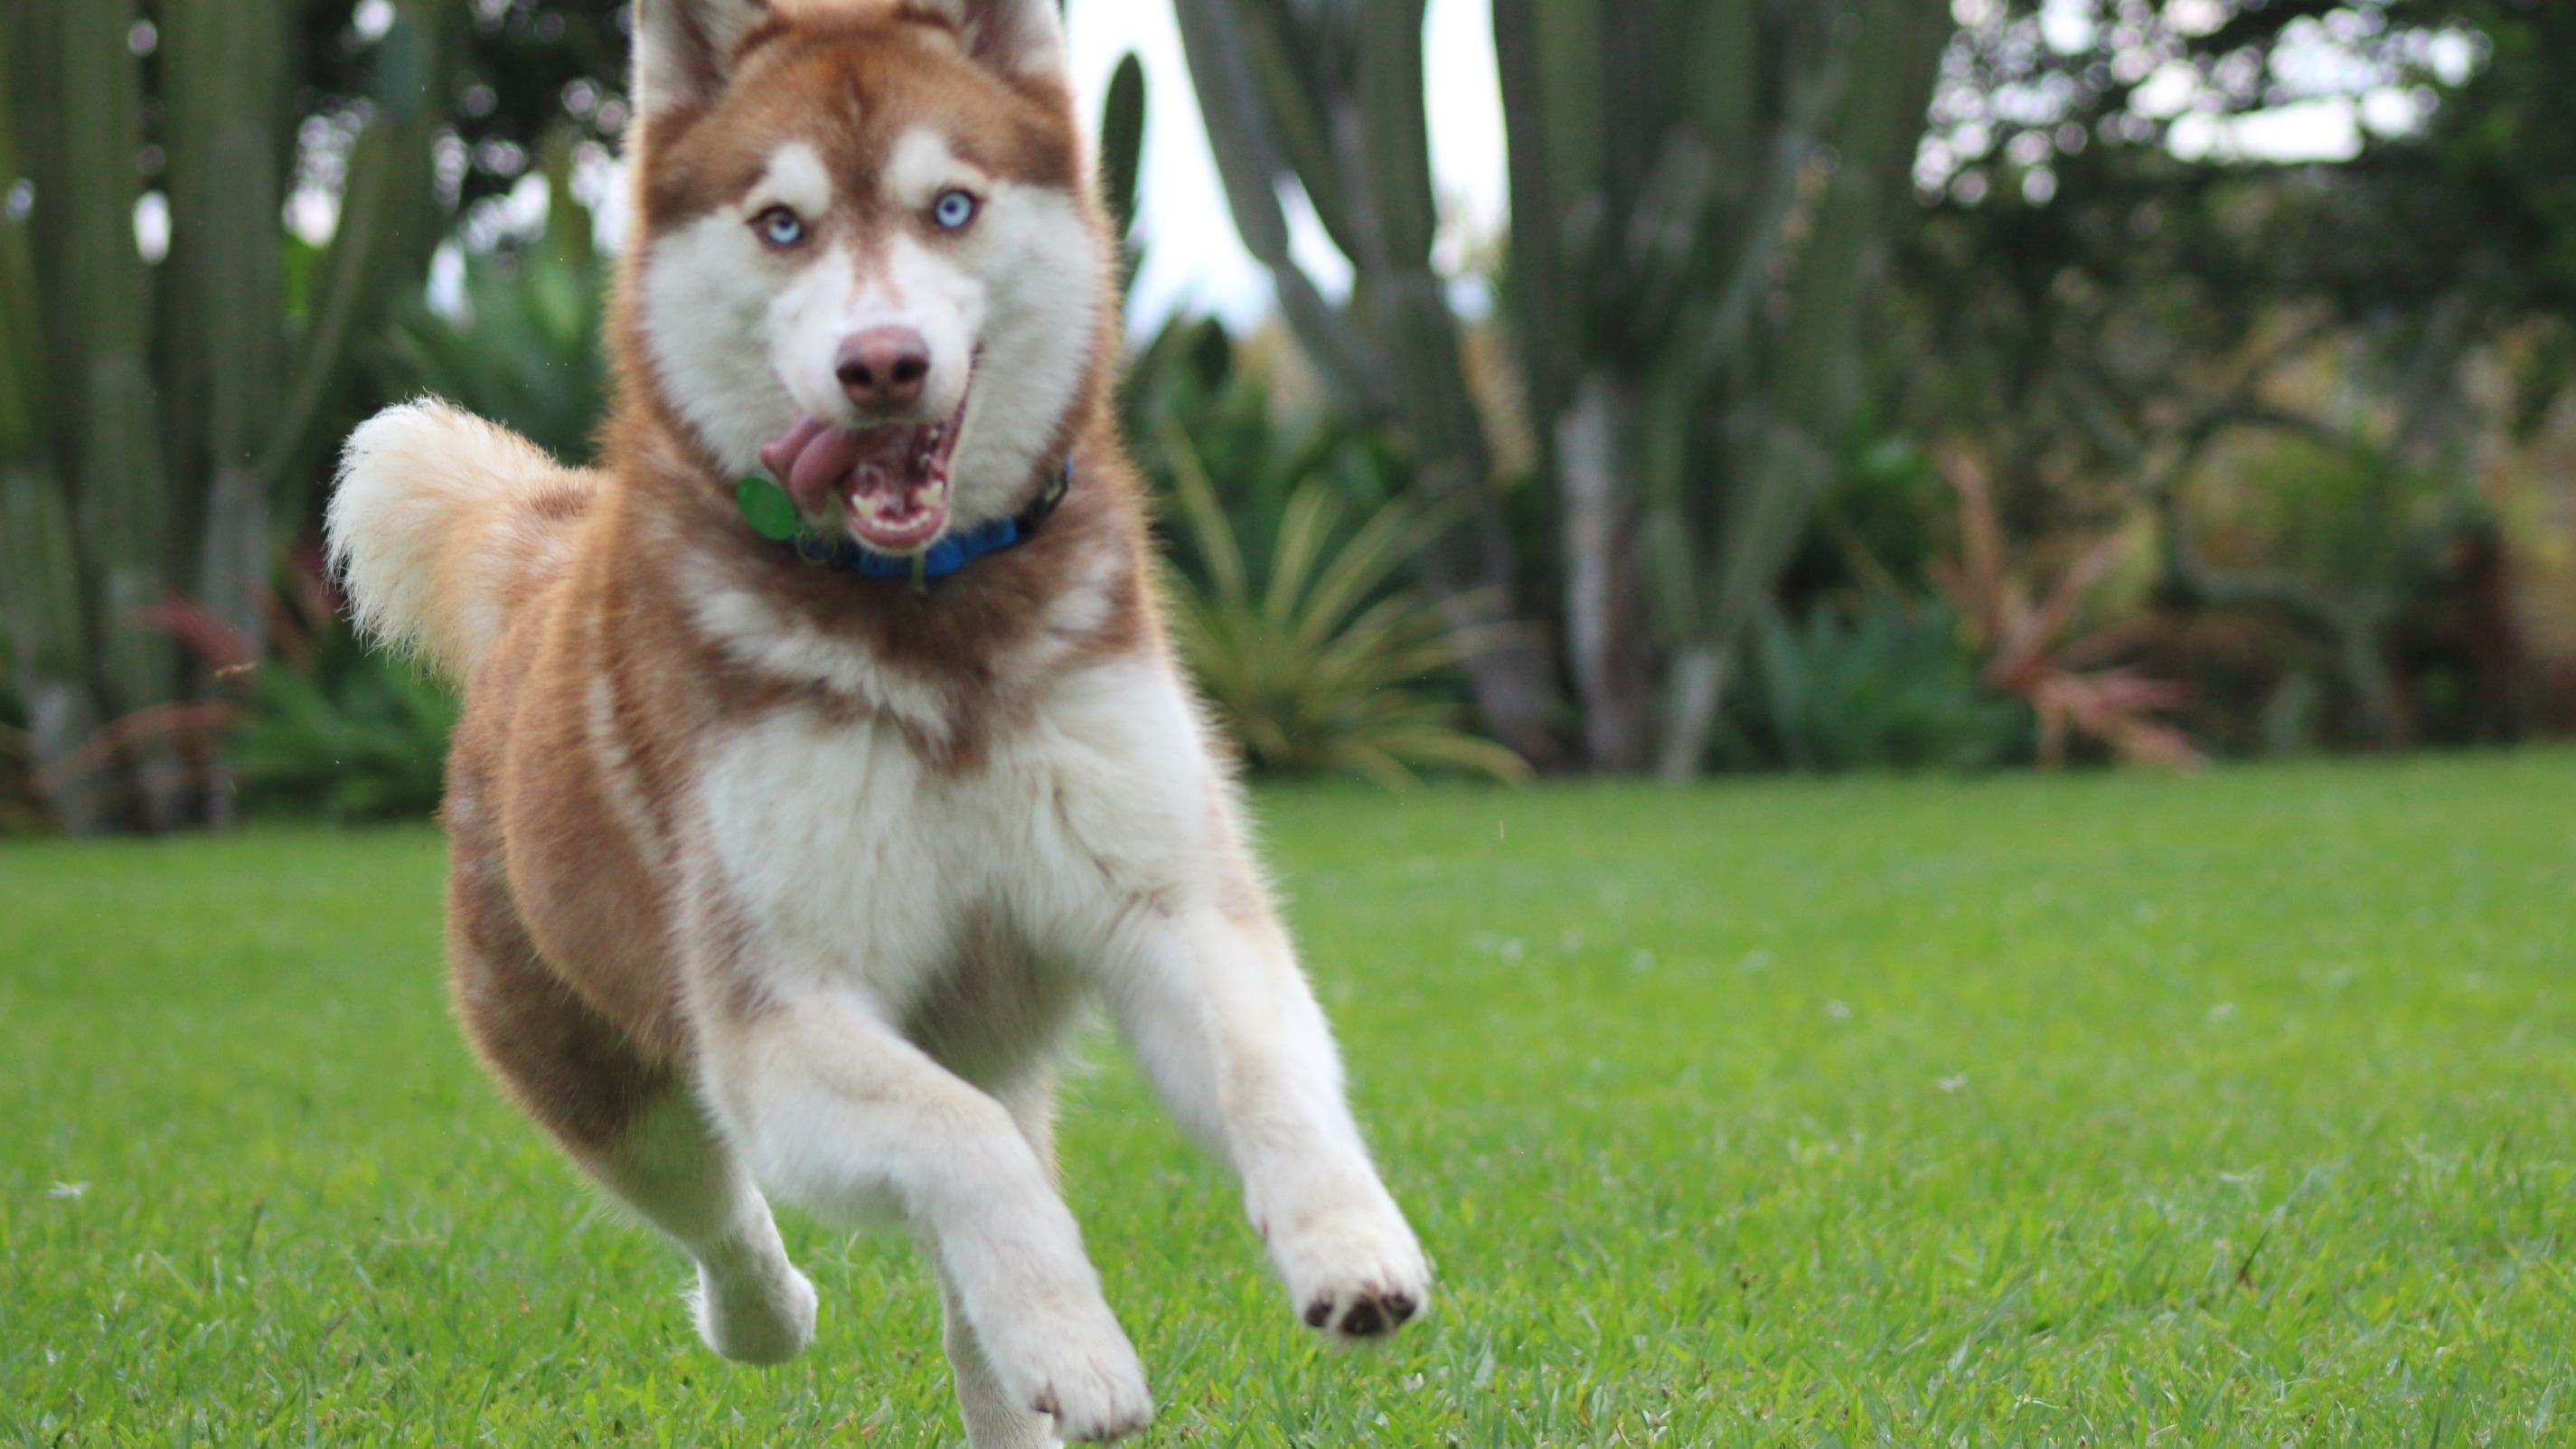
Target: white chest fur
{"x":857,"y":866}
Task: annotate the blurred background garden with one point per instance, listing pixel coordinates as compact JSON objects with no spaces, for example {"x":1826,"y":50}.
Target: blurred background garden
{"x":2046,"y":399}
{"x":1880,"y":384}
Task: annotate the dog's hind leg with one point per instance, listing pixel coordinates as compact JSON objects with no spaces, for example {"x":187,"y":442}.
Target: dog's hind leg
{"x":633,"y":1125}
{"x":752,"y":1305}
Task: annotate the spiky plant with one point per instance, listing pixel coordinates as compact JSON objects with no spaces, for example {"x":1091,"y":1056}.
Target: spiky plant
{"x":1321,"y":665}
{"x":2027,"y":649}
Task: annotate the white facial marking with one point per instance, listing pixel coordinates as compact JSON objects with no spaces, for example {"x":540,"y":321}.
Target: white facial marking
{"x":709,"y":287}
{"x":923,"y":166}
{"x":1042,"y":296}
{"x":795,"y":180}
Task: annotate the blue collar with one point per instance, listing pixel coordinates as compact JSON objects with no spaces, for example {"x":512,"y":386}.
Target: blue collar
{"x":760,"y":499}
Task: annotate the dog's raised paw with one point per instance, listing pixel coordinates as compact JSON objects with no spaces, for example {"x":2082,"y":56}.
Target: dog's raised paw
{"x":1354,"y":1274}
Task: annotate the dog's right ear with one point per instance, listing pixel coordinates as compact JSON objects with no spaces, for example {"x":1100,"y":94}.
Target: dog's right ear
{"x":684,"y":48}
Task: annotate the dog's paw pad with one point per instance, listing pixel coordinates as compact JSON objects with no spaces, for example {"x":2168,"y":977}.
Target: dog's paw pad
{"x":1354,"y":1274}
{"x":1363,"y":1315}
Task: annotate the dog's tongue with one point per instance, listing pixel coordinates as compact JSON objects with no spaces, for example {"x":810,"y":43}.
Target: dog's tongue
{"x":891,"y":480}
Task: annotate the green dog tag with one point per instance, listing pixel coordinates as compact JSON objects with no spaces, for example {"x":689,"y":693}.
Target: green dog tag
{"x":767,"y":508}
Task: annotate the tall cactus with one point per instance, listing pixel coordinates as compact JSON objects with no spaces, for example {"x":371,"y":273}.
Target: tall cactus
{"x":1699,"y":189}
{"x":153,"y":428}
{"x":1329,"y":98}
{"x":82,"y":127}
{"x":41,"y":585}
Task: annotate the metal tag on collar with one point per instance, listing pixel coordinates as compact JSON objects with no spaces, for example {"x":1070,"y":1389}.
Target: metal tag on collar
{"x":1048,"y":497}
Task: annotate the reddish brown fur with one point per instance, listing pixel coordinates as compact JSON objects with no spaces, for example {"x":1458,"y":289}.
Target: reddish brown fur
{"x":563,"y":951}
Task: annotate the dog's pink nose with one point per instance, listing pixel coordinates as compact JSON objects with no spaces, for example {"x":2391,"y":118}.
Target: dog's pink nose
{"x":884,"y":366}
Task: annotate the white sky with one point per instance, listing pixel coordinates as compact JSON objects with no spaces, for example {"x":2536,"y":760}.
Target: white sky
{"x":1193,"y":258}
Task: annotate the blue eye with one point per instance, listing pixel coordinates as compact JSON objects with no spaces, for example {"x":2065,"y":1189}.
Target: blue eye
{"x":953,"y":209}
{"x":780,"y":227}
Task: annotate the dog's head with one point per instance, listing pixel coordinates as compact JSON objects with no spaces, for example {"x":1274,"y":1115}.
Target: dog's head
{"x":869,"y":254}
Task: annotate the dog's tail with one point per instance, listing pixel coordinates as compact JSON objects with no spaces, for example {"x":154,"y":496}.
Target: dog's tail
{"x":443,"y":524}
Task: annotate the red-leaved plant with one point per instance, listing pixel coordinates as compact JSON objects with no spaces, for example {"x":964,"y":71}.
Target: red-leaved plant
{"x":2026,"y":648}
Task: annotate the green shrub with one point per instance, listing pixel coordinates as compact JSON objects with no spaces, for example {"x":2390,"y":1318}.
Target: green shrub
{"x":1288,"y":542}
{"x":524,"y":352}
{"x":1319,"y":661}
{"x":525,"y":349}
{"x":1886,"y":685}
{"x":344,"y":733}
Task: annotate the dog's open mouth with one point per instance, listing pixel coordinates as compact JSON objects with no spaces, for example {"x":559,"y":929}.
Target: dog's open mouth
{"x":890,"y":480}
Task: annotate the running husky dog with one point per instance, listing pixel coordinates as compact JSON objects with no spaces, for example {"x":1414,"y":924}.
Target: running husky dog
{"x":790,"y":833}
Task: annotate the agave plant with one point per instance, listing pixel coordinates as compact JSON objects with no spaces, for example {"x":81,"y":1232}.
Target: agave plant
{"x":1321,"y":664}
{"x":2028,"y":653}
{"x":1885,"y":683}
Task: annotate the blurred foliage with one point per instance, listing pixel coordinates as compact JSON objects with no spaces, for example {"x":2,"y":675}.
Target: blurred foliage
{"x":1325,"y":103}
{"x":2348,"y":515}
{"x":1122,"y":151}
{"x":1290,"y":549}
{"x":163,"y":409}
{"x":524,"y":347}
{"x":1883,"y":683}
{"x":2121,"y":314}
{"x":338,"y":731}
{"x":349,"y":734}
{"x":343,"y":732}
{"x":1193,"y":373}
{"x":319,"y":726}
{"x":522,"y":70}
{"x":22,"y":804}
{"x":1881,"y":524}
{"x":331,"y":729}
{"x":2036,"y":644}
{"x":524,"y":351}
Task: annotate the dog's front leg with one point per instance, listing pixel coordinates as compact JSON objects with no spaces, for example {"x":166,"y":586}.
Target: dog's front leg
{"x":1226,"y":1026}
{"x":836,"y":1111}
{"x":995,"y":1419}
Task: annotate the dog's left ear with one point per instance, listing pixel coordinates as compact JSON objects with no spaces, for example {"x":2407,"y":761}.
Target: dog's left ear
{"x":1015,"y":37}
{"x":684,"y":48}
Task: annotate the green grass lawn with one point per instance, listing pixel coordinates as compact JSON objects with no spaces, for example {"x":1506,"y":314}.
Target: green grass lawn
{"x":2107,"y":1110}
